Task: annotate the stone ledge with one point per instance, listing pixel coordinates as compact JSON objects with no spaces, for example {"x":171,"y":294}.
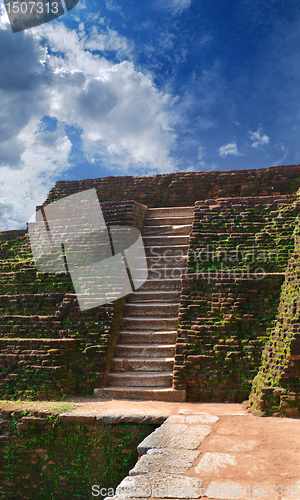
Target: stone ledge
{"x":113,"y":418}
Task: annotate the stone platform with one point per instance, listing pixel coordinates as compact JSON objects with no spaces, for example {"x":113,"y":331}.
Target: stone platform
{"x":217,"y":451}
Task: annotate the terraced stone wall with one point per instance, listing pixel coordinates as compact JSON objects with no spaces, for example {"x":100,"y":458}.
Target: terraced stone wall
{"x":276,"y":387}
{"x":223,"y":326}
{"x":45,"y":456}
{"x":243,"y":235}
{"x":48,"y":347}
{"x":239,"y":250}
{"x":184,"y":189}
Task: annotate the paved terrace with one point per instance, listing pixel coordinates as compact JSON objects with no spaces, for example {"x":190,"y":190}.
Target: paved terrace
{"x":204,"y":450}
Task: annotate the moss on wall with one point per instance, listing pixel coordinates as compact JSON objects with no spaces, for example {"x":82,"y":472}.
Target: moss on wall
{"x":243,"y":234}
{"x":48,"y":346}
{"x":43,"y":458}
{"x":223,"y":326}
{"x":239,"y":250}
{"x":276,"y":387}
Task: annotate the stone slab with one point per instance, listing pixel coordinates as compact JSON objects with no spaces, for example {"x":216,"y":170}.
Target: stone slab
{"x":138,"y":376}
{"x":166,"y":461}
{"x":115,"y":417}
{"x":160,"y":486}
{"x":176,"y":436}
{"x":231,"y":444}
{"x":203,"y":418}
{"x":86,"y":418}
{"x":134,"y":417}
{"x":141,"y":393}
{"x":225,"y":465}
{"x":214,"y":462}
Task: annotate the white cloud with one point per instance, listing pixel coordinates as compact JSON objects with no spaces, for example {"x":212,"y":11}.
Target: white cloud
{"x":110,"y":5}
{"x":200,"y":152}
{"x":125,"y":122}
{"x":108,"y":40}
{"x":176,"y":6}
{"x":118,"y":108}
{"x":258,"y":138}
{"x":285,"y":153}
{"x":3,"y":17}
{"x":45,"y":157}
{"x":229,"y":149}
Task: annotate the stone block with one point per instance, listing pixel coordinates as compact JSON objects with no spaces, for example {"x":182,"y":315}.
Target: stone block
{"x":160,"y":486}
{"x":175,"y":436}
{"x":168,"y":461}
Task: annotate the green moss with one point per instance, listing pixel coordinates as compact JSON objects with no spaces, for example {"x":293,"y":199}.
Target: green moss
{"x":63,"y":460}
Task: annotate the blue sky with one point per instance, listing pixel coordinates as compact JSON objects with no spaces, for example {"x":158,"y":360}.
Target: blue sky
{"x":137,"y":87}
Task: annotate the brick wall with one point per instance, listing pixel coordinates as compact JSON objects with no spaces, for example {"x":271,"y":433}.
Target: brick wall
{"x":240,"y":246}
{"x":276,"y":387}
{"x":43,"y":455}
{"x":223,"y":326}
{"x":48,"y":346}
{"x":249,"y":234}
{"x":184,"y":189}
{"x":239,"y":250}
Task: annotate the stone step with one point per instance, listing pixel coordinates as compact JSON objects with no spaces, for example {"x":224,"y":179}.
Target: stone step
{"x":148,"y":323}
{"x":166,"y":240}
{"x":165,"y":260}
{"x":140,"y":393}
{"x":167,"y":230}
{"x":152,"y":309}
{"x":163,"y":221}
{"x":170,"y":212}
{"x":163,"y":273}
{"x":144,"y":365}
{"x":144,"y":354}
{"x":160,"y":284}
{"x":154,"y":296}
{"x":144,"y":350}
{"x":147,"y":337}
{"x":152,"y":250}
{"x":141,"y":379}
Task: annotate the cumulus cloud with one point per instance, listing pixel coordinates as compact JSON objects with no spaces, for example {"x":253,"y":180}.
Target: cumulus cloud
{"x":115,"y":106}
{"x":109,"y":41}
{"x":123,"y":120}
{"x":229,"y":149}
{"x":259,"y":139}
{"x":44,"y":158}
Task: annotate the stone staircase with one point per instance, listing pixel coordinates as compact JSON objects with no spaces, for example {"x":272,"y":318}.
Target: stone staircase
{"x":142,"y":366}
